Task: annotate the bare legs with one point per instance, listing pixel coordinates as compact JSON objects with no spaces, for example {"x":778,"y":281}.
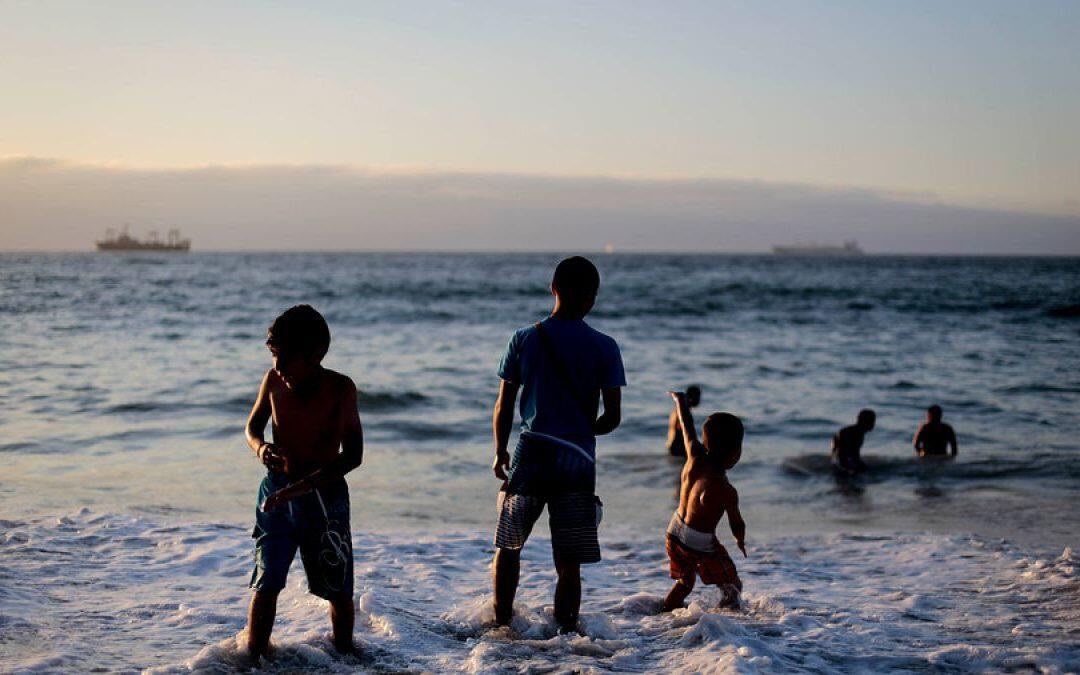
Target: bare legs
{"x":342,"y":614}
{"x":567,"y":589}
{"x":567,"y":595}
{"x":261,"y":614}
{"x":678,"y":593}
{"x":507,"y":568}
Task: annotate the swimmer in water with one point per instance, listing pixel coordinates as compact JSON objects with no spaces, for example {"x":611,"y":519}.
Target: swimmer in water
{"x":847,"y":443}
{"x":934,"y":438}
{"x":675,"y":445}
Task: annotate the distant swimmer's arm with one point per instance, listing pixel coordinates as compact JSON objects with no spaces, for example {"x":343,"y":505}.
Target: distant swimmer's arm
{"x":502,"y":422}
{"x":256,"y":428}
{"x":673,"y":431}
{"x":917,"y":440}
{"x":350,"y":457}
{"x":735,"y":519}
{"x":686,"y":421}
{"x":612,"y":416}
{"x":952,"y":442}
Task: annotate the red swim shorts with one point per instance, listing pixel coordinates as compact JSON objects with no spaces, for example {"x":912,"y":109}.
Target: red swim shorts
{"x":716,"y":568}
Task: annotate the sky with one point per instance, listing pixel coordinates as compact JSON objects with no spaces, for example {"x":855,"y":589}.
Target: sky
{"x":911,"y":126}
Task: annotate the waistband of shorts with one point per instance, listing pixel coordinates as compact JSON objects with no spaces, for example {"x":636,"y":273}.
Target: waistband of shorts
{"x":695,"y":540}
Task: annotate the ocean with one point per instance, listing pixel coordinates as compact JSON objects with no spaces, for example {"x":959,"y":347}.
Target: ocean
{"x":127,"y":494}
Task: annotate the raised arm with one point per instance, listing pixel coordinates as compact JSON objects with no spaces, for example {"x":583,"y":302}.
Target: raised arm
{"x":255,"y":430}
{"x":686,"y":421}
{"x":612,"y":416}
{"x":735,"y":519}
{"x":502,"y":423}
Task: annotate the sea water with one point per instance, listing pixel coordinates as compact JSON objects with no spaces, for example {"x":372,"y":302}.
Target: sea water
{"x":127,"y":491}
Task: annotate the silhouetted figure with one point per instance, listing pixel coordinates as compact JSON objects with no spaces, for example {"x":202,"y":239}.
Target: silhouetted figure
{"x":675,"y":444}
{"x":304,"y":498}
{"x":705,"y":497}
{"x":934,"y":438}
{"x":563,"y":367}
{"x":847,"y":443}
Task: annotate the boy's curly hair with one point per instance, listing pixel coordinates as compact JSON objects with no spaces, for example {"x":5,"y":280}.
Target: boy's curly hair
{"x":722,"y":434}
{"x":300,"y":330}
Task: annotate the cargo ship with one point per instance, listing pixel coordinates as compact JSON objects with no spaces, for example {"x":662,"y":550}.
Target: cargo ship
{"x":125,"y":242}
{"x":849,"y":248}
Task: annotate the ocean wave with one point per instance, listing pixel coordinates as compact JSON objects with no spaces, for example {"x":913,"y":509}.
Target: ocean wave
{"x":380,"y":400}
{"x":1064,"y":311}
{"x":240,"y":404}
{"x":170,"y":598}
{"x":1041,"y":388}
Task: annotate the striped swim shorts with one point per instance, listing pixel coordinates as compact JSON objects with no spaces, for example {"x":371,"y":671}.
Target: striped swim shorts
{"x":573,"y":517}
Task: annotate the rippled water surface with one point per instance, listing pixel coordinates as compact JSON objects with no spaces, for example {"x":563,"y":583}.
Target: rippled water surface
{"x":125,"y":381}
{"x":128,"y":378}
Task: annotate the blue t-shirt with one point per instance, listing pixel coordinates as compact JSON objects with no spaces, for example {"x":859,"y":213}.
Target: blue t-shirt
{"x":590,"y":359}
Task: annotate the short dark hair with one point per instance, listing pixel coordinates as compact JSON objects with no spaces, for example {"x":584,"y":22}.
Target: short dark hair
{"x":935,"y":411}
{"x":722,"y":432}
{"x":300,"y":330}
{"x":576,"y":277}
{"x":868,"y":415}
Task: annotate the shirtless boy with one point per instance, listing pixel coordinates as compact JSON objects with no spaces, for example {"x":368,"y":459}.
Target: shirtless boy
{"x":934,"y":437}
{"x":674,"y":434}
{"x":705,"y":496}
{"x":303,"y":500}
{"x":847,"y":443}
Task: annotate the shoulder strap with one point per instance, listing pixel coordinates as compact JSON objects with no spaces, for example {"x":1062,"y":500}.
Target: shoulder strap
{"x":586,"y":408}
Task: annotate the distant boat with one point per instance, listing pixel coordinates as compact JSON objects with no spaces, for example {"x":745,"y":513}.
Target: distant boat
{"x":849,"y":248}
{"x":125,"y":242}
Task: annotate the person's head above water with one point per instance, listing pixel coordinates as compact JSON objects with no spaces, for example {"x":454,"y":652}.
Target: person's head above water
{"x":575,"y":284}
{"x":867,"y":418}
{"x":693,"y":395}
{"x":722,"y":436}
{"x":933,"y":413}
{"x":298,"y":341}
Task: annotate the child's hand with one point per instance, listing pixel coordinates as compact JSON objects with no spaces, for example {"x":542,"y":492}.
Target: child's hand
{"x":280,"y":497}
{"x":742,"y":547}
{"x":272,"y":457}
{"x":501,"y":464}
{"x":679,"y":396}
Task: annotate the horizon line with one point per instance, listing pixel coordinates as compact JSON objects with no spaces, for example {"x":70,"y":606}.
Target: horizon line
{"x":598,"y":252}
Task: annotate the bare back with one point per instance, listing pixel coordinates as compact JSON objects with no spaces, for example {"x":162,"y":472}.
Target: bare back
{"x":935,"y":438}
{"x":705,"y":494}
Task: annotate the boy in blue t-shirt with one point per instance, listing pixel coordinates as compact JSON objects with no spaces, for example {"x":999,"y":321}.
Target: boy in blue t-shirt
{"x":563,"y":368}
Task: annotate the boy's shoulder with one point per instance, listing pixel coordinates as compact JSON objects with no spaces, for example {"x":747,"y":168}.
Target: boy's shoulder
{"x":604,"y":340}
{"x":721,"y":483}
{"x":849,"y":431}
{"x":342,"y":383}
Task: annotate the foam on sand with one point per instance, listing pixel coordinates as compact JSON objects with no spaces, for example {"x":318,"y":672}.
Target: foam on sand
{"x":120,"y":592}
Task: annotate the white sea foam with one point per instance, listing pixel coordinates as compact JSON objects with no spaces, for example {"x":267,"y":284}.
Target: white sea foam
{"x":98,"y":590}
